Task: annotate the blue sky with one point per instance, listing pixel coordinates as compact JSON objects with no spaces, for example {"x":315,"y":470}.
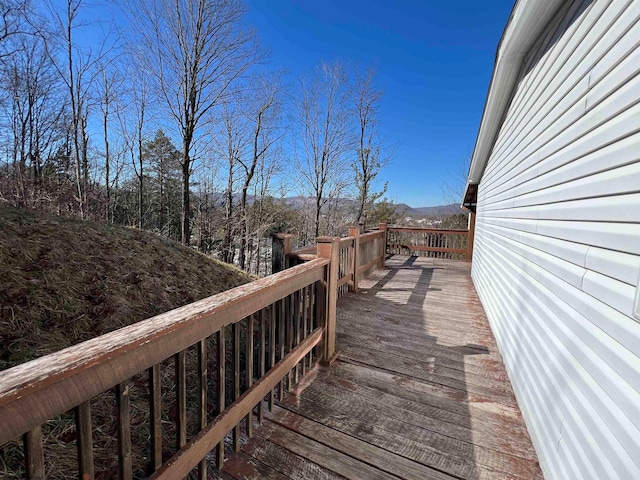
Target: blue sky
{"x":434,"y":62}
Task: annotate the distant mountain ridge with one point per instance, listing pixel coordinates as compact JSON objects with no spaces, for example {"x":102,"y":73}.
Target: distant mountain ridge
{"x":299,"y":202}
{"x":435,"y":211}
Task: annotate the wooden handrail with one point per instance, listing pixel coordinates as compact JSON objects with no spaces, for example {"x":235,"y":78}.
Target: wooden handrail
{"x":309,"y":249}
{"x":301,"y":257}
{"x":429,"y":230}
{"x":346,"y":242}
{"x":369,"y":236}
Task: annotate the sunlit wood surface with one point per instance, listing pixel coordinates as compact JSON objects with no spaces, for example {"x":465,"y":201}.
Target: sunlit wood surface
{"x":419,"y":391}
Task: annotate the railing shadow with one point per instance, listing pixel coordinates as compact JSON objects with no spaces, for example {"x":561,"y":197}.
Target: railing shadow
{"x":399,"y":340}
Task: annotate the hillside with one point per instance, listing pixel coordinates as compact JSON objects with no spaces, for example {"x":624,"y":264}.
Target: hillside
{"x":64,"y":281}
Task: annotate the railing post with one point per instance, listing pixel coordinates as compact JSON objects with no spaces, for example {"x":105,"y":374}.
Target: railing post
{"x":328,"y":247}
{"x":281,"y":245}
{"x":470,"y":235}
{"x":383,"y":247}
{"x":355,"y":233}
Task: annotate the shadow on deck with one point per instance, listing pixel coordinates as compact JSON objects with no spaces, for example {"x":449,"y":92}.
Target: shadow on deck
{"x":419,"y":391}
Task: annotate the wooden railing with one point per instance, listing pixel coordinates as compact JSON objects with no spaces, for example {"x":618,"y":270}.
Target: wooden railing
{"x":278,"y":329}
{"x":227,"y":355}
{"x":355,"y":255}
{"x":428,"y":242}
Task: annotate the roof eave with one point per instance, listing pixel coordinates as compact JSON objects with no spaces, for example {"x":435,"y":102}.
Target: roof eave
{"x":527,"y":21}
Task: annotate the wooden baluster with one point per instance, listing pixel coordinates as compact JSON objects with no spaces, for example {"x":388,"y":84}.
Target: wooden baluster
{"x":123,"y":416}
{"x":287,"y":333}
{"x":34,"y":454}
{"x":155,"y":391}
{"x":249,"y":344}
{"x":320,"y":301}
{"x":202,"y":411}
{"x":84,"y":441}
{"x":305,"y":323}
{"x":298,"y":299}
{"x":272,"y":347}
{"x":263,"y":348}
{"x":291,"y":302}
{"x":235,"y":328}
{"x":181,"y":400}
{"x":313,"y":318}
{"x":355,"y":260}
{"x":281,"y":339}
{"x":220,"y":340}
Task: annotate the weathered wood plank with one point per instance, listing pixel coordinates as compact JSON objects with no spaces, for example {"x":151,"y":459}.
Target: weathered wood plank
{"x":463,"y":358}
{"x":406,"y":321}
{"x":495,"y":378}
{"x":483,"y":438}
{"x":438,"y":403}
{"x":322,"y":455}
{"x":285,"y":461}
{"x":426,"y":372}
{"x":353,"y":447}
{"x":432,"y":450}
{"x":244,"y":467}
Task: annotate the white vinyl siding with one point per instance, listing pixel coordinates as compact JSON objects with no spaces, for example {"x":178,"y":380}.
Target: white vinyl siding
{"x":557,"y":245}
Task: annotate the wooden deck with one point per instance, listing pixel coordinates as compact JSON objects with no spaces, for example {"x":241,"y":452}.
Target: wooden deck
{"x":419,"y":391}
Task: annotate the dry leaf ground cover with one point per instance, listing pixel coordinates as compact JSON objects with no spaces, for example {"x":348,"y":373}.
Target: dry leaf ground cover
{"x":63,"y":281}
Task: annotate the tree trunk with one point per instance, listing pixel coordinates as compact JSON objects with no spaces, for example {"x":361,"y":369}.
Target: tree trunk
{"x":317,"y":220}
{"x":228,"y":253}
{"x":107,"y":163}
{"x":244,"y":228}
{"x":186,"y":199}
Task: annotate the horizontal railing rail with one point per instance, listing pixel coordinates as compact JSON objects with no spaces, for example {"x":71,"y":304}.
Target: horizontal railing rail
{"x":290,"y":310}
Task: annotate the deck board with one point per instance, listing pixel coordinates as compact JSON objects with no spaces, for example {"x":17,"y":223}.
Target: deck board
{"x":419,"y":391}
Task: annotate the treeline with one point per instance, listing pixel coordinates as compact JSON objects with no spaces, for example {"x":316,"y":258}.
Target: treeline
{"x":175,"y":124}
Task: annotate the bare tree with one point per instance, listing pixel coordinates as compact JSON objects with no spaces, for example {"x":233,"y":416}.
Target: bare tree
{"x":78,"y":73}
{"x":13,"y":22}
{"x":231,"y":139}
{"x":108,"y":92}
{"x":195,"y":49}
{"x":264,"y":133}
{"x":31,"y":108}
{"x":322,"y":126}
{"x":371,"y":155}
